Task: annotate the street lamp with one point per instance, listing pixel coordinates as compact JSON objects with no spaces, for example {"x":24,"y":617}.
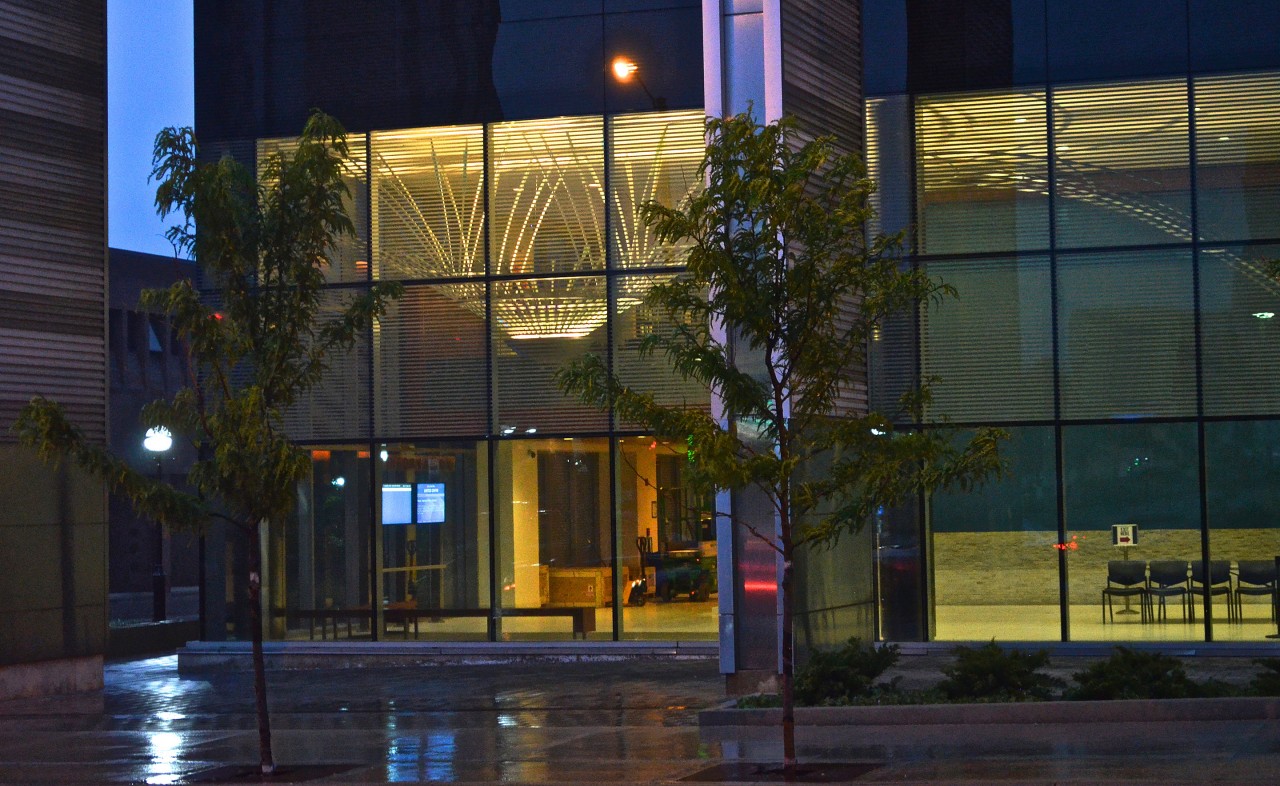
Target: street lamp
{"x":625,"y":69}
{"x":158,"y":440}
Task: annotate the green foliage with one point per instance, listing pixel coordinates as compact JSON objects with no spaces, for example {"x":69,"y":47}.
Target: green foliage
{"x":989,"y":673}
{"x":759,"y":701}
{"x":253,"y":348}
{"x":1266,"y":682}
{"x":783,"y":292}
{"x":1131,"y":674}
{"x":846,"y":675}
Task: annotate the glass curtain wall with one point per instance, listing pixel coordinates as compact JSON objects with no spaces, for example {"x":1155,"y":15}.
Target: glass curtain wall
{"x":1109,"y":244}
{"x":489,"y":504}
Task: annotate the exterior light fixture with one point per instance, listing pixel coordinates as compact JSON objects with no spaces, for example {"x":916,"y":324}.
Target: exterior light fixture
{"x":383,"y":454}
{"x":339,"y":482}
{"x":624,"y":68}
{"x":157,"y":441}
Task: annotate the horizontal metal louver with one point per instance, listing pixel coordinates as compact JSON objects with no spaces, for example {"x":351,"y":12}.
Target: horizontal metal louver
{"x":991,"y":348}
{"x":982,"y":172}
{"x":539,"y":326}
{"x":1238,"y":157}
{"x":429,"y":360}
{"x":1126,"y":335}
{"x":653,"y":157}
{"x":1240,"y":331}
{"x":337,"y":407}
{"x":428,"y":202}
{"x":546,"y":194}
{"x":1121,"y":164}
{"x":69,"y":369}
{"x":348,"y":259}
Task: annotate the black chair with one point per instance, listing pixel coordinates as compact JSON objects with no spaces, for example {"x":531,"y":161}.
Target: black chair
{"x":1125,"y":579}
{"x":1216,"y":582}
{"x":1256,"y":577}
{"x":1168,"y":579}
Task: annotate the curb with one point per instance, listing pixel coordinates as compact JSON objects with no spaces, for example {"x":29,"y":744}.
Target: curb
{"x":1120,"y":711}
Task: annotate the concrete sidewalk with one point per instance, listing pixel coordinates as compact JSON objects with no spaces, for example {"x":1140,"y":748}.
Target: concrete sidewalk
{"x":621,"y":722}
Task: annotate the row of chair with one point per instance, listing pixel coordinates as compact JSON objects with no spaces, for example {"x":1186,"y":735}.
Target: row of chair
{"x":1186,"y":580}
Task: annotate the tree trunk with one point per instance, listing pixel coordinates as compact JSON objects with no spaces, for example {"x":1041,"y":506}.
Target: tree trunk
{"x":788,"y":672}
{"x":267,"y":761}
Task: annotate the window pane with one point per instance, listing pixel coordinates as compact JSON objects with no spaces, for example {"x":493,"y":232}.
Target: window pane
{"x":634,"y":321}
{"x":1121,"y":163}
{"x":667,"y":536}
{"x":995,"y":568}
{"x":336,"y":407}
{"x":1238,"y":157}
{"x":983,"y":172}
{"x":317,"y":573}
{"x":555,"y":549}
{"x":991,"y":349}
{"x":538,"y":327}
{"x":1126,"y":335}
{"x":889,"y":164}
{"x":1242,"y":463}
{"x":546,"y":196}
{"x":1143,"y":474}
{"x":430,"y":363}
{"x":653,"y":158}
{"x":428,"y":201}
{"x":348,"y":260}
{"x":1240,"y":330}
{"x":434,"y":525}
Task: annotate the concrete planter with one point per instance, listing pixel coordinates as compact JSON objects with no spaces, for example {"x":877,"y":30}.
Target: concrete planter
{"x":1132,"y":710}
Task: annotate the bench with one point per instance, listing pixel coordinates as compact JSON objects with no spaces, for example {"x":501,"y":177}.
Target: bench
{"x":584,"y":618}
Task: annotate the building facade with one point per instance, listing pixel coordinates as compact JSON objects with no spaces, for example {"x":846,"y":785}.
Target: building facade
{"x":1101,"y":200}
{"x":53,"y":616}
{"x":1099,"y":181}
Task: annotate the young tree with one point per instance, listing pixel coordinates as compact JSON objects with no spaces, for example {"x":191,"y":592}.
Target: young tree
{"x":773,"y":318}
{"x":254,"y":347}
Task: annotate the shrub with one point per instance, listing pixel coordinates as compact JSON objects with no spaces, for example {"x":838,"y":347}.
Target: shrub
{"x":1267,"y":682}
{"x":989,"y":673}
{"x":844,"y":676}
{"x":1129,"y":674}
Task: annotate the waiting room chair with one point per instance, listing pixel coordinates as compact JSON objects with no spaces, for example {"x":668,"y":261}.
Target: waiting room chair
{"x":1256,"y":577}
{"x":1125,"y":579}
{"x":1216,"y":582}
{"x":1168,"y":579}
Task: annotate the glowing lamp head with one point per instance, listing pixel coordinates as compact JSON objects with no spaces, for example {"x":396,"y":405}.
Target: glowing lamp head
{"x":624,"y":69}
{"x":157,"y":439}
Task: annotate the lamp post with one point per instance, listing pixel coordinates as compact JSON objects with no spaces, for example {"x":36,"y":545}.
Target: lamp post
{"x":158,"y":440}
{"x":625,"y":69}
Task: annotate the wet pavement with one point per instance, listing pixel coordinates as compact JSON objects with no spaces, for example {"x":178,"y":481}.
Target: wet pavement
{"x":580,"y":723}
